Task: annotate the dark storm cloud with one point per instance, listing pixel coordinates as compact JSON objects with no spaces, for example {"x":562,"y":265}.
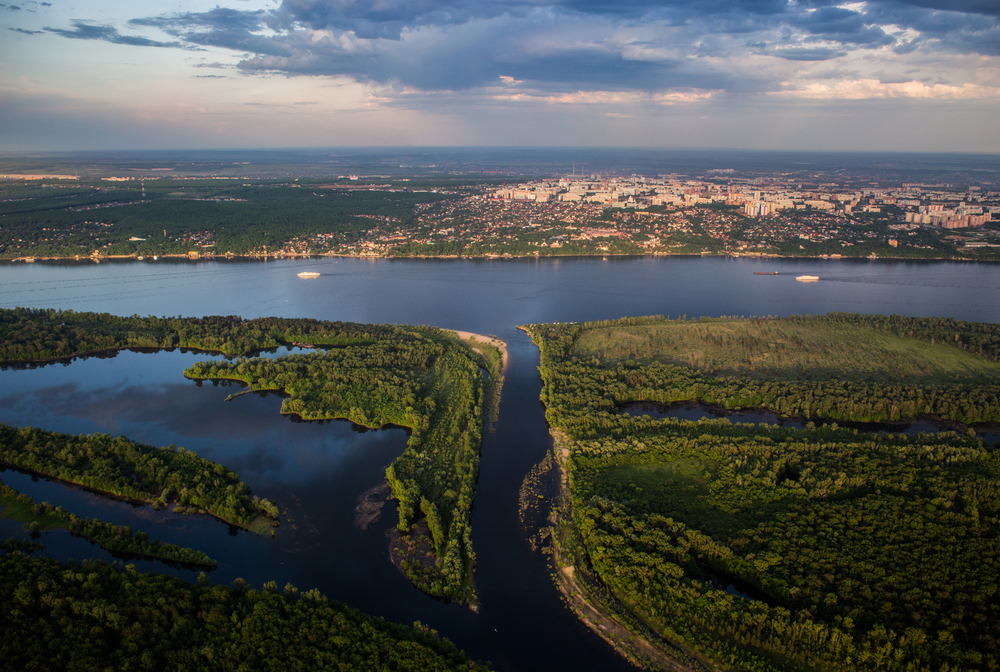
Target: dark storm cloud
{"x":842,"y":25}
{"x":89,"y":31}
{"x":988,"y":7}
{"x":819,"y":54}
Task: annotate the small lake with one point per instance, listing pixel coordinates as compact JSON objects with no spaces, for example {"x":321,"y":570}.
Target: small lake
{"x":317,"y":471}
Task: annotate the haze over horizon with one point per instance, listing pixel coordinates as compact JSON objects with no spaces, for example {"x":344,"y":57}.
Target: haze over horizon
{"x":882,"y":75}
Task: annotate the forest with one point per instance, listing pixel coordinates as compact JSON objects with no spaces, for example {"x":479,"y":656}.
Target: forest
{"x":757,"y":547}
{"x":176,"y":217}
{"x":115,"y":538}
{"x":124,"y":468}
{"x":96,"y":616}
{"x":417,"y":377}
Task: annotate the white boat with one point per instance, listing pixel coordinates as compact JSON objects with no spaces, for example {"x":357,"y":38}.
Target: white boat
{"x":308,"y":274}
{"x":807,"y":278}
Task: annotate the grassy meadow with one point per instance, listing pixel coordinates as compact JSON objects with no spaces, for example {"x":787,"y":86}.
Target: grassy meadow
{"x":785,"y":350}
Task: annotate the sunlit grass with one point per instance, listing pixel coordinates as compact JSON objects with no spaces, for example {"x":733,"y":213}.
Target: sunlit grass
{"x":784,"y":350}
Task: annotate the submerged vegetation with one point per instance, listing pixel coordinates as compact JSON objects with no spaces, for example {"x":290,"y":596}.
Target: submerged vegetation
{"x":114,"y":538}
{"x":94,"y":615}
{"x":135,"y":471}
{"x":848,"y":551}
{"x":421,"y":378}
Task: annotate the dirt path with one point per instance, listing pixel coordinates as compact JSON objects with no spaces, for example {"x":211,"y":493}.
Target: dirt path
{"x":479,"y":338}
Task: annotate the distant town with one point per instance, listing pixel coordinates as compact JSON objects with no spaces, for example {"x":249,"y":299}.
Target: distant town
{"x":718,"y":212}
{"x":673,"y":215}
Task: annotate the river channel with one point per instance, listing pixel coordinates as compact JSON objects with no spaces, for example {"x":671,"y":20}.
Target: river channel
{"x":317,"y":471}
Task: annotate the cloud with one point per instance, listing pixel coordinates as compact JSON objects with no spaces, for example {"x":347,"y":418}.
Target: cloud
{"x":27,"y":32}
{"x":806,"y":54}
{"x":563,"y":47}
{"x":862,"y":89}
{"x":83,"y":30}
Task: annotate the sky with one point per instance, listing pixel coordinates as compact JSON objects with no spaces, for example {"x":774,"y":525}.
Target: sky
{"x":882,"y":75}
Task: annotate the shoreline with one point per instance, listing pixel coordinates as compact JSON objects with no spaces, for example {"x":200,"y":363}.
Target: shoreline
{"x":130,"y":500}
{"x":627,"y":641}
{"x":472,"y":338}
{"x":500,"y":256}
{"x":630,"y":644}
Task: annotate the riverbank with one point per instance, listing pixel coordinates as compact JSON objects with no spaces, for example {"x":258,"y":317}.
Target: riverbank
{"x":633,"y":641}
{"x":200,"y":257}
{"x":261,"y":525}
{"x":472,"y":339}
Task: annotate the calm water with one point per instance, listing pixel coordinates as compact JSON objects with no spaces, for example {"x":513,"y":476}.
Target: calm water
{"x":316,"y":471}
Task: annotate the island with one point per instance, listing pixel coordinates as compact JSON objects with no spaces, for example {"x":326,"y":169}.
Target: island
{"x":728,"y":545}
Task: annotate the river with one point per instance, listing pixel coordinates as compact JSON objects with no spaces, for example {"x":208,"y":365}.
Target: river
{"x":316,"y":471}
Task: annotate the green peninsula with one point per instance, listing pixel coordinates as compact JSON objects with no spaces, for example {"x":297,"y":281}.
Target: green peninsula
{"x":757,"y":547}
{"x":120,"y":467}
{"x":423,"y":378}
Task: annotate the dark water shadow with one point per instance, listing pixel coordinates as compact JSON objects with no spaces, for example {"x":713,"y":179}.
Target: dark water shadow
{"x":694,"y":411}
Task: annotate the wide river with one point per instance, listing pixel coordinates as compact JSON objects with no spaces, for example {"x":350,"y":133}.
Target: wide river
{"x":316,"y":471}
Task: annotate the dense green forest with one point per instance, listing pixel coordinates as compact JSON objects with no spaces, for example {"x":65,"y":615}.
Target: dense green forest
{"x":115,"y":538}
{"x":176,"y":217}
{"x":28,"y":334}
{"x":848,"y":551}
{"x":96,"y":616}
{"x":417,"y":377}
{"x":139,"y":472}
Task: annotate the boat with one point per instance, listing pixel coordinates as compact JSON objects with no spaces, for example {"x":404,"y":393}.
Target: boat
{"x":308,"y":274}
{"x":807,"y":278}
{"x":768,"y":273}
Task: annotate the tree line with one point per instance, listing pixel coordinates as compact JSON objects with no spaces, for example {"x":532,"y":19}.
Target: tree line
{"x":139,"y":472}
{"x":28,"y":334}
{"x":114,"y":538}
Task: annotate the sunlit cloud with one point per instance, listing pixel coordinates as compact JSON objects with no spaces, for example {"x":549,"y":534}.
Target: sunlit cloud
{"x":871,"y":88}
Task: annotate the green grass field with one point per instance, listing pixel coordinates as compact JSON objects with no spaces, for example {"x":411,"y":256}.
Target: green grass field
{"x":22,"y":513}
{"x":783,"y":350}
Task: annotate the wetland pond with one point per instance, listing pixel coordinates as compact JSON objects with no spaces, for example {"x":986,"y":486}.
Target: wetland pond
{"x":686,"y":410}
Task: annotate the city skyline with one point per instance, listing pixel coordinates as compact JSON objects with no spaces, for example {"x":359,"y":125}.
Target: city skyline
{"x":886,"y":75}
